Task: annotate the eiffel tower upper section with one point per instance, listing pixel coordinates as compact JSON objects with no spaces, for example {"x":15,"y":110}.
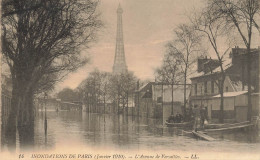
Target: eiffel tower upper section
{"x":119,"y":60}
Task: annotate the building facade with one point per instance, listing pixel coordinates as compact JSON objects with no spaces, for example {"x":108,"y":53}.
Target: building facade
{"x":154,"y":100}
{"x":205,"y":90}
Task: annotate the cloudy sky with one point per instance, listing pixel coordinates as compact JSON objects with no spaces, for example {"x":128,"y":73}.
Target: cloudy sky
{"x":147,"y":26}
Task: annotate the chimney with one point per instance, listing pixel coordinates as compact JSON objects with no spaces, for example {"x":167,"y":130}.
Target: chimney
{"x":200,"y":64}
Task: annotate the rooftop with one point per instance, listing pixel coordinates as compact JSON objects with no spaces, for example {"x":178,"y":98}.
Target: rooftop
{"x":231,"y":94}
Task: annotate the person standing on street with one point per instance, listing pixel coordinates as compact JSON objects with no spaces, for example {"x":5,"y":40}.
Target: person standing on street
{"x":197,"y":117}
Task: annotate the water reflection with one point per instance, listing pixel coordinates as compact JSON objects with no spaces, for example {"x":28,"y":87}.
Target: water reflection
{"x":74,"y":128}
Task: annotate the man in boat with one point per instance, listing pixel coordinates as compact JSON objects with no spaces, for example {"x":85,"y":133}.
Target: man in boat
{"x":171,"y":119}
{"x":178,"y":117}
{"x":203,"y":116}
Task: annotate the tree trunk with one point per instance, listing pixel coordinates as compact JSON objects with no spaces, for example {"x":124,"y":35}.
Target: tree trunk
{"x":138,"y":101}
{"x":249,"y":113}
{"x":123,"y":99}
{"x":118,"y":103}
{"x":104,"y":104}
{"x":184,"y":98}
{"x":21,"y":115}
{"x":10,"y":133}
{"x":172,"y":99}
{"x":221,"y":91}
{"x":162,"y":96}
{"x":127,"y":104}
{"x":26,"y":121}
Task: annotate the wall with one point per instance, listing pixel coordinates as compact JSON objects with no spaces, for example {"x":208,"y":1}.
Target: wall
{"x":242,"y":101}
{"x":147,"y":108}
{"x":229,"y":108}
{"x":178,"y":93}
{"x":201,"y":86}
{"x":167,"y":108}
{"x":230,"y":104}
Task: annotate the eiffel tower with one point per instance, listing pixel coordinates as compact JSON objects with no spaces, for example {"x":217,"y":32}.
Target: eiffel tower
{"x":119,"y":60}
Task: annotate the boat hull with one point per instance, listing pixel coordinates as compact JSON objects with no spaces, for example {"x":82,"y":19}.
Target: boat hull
{"x":183,"y":124}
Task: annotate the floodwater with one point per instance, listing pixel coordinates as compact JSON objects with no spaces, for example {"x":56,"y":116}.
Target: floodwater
{"x":85,"y":130}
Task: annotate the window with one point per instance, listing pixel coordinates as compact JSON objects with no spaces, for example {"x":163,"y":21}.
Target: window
{"x":205,"y":87}
{"x":196,"y":89}
{"x":212,"y":86}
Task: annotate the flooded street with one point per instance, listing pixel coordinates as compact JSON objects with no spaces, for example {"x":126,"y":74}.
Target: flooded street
{"x":84,"y":130}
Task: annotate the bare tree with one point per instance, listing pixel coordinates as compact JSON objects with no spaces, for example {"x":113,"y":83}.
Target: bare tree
{"x":42,"y":44}
{"x":68,"y":95}
{"x":240,"y":15}
{"x":120,"y":87}
{"x":115,"y":91}
{"x":212,"y":27}
{"x":187,"y":45}
{"x":102,"y":93}
{"x":170,"y":71}
{"x":95,"y":86}
{"x":128,"y":81}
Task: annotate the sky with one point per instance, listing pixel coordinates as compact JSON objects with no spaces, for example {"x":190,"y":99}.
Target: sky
{"x":147,"y":26}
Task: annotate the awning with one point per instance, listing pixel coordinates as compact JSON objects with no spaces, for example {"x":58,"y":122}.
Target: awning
{"x":231,"y":94}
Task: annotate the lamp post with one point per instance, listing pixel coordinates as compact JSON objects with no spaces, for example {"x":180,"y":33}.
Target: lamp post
{"x":45,"y":118}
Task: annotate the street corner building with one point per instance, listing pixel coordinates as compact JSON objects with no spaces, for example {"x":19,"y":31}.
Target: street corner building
{"x":205,"y":92}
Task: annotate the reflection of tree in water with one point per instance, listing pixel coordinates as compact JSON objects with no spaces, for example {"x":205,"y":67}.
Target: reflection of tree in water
{"x":125,"y":137}
{"x":117,"y":131}
{"x":71,"y":116}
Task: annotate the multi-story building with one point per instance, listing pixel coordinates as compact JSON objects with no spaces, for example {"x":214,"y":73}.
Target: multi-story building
{"x":205,"y":90}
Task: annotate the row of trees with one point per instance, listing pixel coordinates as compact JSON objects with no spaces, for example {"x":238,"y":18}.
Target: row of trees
{"x":68,"y":95}
{"x":103,"y":87}
{"x":216,"y":25}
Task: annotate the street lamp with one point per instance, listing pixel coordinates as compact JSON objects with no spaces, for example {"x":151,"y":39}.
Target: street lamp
{"x":45,"y":118}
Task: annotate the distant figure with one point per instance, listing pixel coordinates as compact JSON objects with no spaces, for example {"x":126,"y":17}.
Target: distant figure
{"x":171,"y":119}
{"x":189,"y":115}
{"x":204,"y":115}
{"x":196,"y":113}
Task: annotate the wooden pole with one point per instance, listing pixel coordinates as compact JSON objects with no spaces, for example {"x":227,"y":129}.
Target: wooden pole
{"x":45,"y":119}
{"x":138,"y":105}
{"x":162,"y":96}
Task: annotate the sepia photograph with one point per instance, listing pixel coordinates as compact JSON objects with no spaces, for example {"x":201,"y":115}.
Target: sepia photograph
{"x":130,"y":80}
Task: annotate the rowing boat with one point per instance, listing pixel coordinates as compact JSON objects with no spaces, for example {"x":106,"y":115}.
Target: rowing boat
{"x":182,"y":124}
